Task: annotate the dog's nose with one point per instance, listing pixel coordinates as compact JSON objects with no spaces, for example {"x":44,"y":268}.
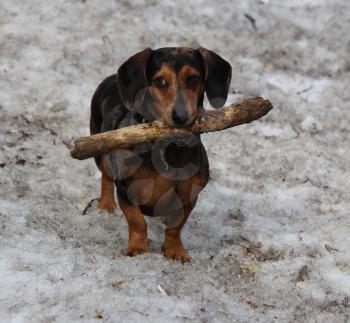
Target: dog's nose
{"x":179,"y":118}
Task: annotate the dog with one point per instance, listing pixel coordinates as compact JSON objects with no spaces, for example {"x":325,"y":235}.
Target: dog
{"x":162,"y":178}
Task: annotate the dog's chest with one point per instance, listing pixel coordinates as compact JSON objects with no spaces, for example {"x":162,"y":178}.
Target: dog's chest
{"x":158,"y":193}
{"x":166,"y":180}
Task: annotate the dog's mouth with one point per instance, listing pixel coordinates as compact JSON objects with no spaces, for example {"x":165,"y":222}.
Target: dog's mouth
{"x":184,"y":124}
{"x":187,"y":139}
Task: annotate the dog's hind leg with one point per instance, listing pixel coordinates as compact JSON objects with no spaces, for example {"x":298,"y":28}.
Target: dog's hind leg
{"x":107,"y":200}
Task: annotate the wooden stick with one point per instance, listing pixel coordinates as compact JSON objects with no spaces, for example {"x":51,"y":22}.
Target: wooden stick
{"x":236,"y":114}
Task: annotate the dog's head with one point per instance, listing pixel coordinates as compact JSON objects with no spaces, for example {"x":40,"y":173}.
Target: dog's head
{"x":169,"y":83}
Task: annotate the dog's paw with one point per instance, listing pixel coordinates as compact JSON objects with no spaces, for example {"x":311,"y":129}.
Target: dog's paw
{"x":135,"y":250}
{"x":179,"y":254}
{"x":108,"y":206}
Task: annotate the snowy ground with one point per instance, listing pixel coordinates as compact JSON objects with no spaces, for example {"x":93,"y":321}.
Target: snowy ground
{"x":279,"y":186}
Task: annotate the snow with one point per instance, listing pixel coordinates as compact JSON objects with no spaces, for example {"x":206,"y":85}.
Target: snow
{"x":311,"y":124}
{"x":280,"y":185}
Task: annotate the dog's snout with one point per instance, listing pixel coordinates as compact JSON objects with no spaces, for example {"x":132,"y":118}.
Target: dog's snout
{"x":179,"y":113}
{"x":179,"y":117}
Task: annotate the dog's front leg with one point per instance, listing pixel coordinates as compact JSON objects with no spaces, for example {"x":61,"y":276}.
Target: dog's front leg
{"x":172,"y":246}
{"x":138,"y":239}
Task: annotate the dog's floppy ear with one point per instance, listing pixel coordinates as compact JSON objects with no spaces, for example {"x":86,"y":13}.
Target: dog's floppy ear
{"x":217,"y":77}
{"x":131,"y":77}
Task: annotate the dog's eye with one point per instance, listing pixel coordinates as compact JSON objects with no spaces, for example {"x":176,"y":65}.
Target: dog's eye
{"x":160,"y":83}
{"x":192,"y":80}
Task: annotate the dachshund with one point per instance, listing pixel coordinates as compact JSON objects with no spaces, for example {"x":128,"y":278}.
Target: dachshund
{"x":162,"y":178}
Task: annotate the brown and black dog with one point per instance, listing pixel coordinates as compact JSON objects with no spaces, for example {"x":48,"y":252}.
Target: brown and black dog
{"x":163,"y":178}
